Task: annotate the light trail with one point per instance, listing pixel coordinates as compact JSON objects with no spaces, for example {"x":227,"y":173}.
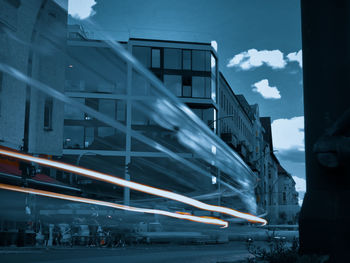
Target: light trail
{"x":248,"y":199}
{"x":199,"y":219}
{"x":135,"y":186}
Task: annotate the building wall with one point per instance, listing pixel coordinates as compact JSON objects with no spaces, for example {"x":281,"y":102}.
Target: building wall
{"x":17,"y":19}
{"x":26,"y":25}
{"x":45,"y":135}
{"x":287,"y":199}
{"x":239,"y":124}
{"x":272,"y":180}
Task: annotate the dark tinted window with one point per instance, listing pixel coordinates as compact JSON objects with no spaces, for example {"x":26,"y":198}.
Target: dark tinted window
{"x":143,"y":54}
{"x":155,"y":58}
{"x":186,"y":59}
{"x":172,"y":58}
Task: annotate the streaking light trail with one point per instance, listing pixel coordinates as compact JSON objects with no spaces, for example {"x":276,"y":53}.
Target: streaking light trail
{"x":135,"y":186}
{"x":179,"y":215}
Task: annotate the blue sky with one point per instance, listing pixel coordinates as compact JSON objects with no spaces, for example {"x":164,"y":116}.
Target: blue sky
{"x":259,"y":43}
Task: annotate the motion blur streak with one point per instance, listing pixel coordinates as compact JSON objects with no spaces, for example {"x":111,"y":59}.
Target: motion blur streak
{"x":134,"y":186}
{"x":205,"y":220}
{"x":118,"y":125}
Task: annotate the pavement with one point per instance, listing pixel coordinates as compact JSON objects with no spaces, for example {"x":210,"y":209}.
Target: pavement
{"x":233,"y":249}
{"x":221,"y":253}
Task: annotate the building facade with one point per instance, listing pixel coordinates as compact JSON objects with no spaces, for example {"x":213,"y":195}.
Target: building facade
{"x":29,"y":120}
{"x":89,"y":72}
{"x":287,"y":198}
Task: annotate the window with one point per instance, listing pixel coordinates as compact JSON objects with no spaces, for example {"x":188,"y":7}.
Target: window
{"x":48,"y":114}
{"x":155,"y":58}
{"x":173,"y":83}
{"x":140,"y":85}
{"x":143,"y":54}
{"x":73,"y":137}
{"x":89,"y":136}
{"x":138,"y":117}
{"x":108,"y":107}
{"x":201,"y":60}
{"x":172,"y":58}
{"x":72,"y":113}
{"x":206,"y":115}
{"x":186,"y":59}
{"x":221,"y":99}
{"x":187,"y":86}
{"x":201,"y":87}
{"x":284,"y":197}
{"x":224,"y":102}
{"x":121,"y":111}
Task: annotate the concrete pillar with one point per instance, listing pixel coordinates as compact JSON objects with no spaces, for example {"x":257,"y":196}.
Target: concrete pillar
{"x":325,"y":214}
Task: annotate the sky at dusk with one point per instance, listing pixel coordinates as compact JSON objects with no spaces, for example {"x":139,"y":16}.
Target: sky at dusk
{"x":259,"y":48}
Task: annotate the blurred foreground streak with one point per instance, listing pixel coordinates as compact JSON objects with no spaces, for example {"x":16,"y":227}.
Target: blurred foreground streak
{"x":91,"y":104}
{"x":325,"y":215}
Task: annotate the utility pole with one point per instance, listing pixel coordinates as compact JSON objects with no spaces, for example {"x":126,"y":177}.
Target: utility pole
{"x":325,"y":215}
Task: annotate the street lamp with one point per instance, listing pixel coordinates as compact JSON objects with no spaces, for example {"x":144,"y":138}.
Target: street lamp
{"x":225,"y":117}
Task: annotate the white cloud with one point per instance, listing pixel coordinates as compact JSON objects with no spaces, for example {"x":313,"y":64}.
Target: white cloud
{"x":300,"y":186}
{"x":288,"y":134}
{"x":254,"y":58}
{"x":81,"y":9}
{"x":296,"y":56}
{"x":265,"y":90}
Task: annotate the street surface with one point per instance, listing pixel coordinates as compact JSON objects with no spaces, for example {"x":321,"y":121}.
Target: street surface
{"x":231,"y":252}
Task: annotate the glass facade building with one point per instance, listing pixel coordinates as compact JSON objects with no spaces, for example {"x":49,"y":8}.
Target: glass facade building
{"x":188,"y":70}
{"x":97,"y":78}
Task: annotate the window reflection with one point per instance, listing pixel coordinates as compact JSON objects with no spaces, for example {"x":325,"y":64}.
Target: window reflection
{"x":173,"y":83}
{"x":187,"y":86}
{"x":201,"y":87}
{"x":186,"y":60}
{"x":201,"y":60}
{"x":207,"y":115}
{"x":84,"y":76}
{"x":83,"y":132}
{"x":143,"y":54}
{"x":172,"y":58}
{"x":155,"y":58}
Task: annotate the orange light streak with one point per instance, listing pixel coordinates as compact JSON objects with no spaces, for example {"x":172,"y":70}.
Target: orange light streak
{"x":135,"y":186}
{"x":199,"y":219}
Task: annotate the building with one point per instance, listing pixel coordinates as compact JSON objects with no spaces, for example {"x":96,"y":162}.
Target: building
{"x":89,"y":72}
{"x":236,"y":121}
{"x":29,"y":120}
{"x":288,"y":205}
{"x":112,"y":88}
{"x":278,"y":192}
{"x":270,"y":181}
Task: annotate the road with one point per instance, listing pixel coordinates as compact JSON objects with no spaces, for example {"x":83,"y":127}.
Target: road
{"x":230,"y":252}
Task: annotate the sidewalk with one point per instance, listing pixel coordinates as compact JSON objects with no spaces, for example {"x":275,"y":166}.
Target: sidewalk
{"x":234,"y":252}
